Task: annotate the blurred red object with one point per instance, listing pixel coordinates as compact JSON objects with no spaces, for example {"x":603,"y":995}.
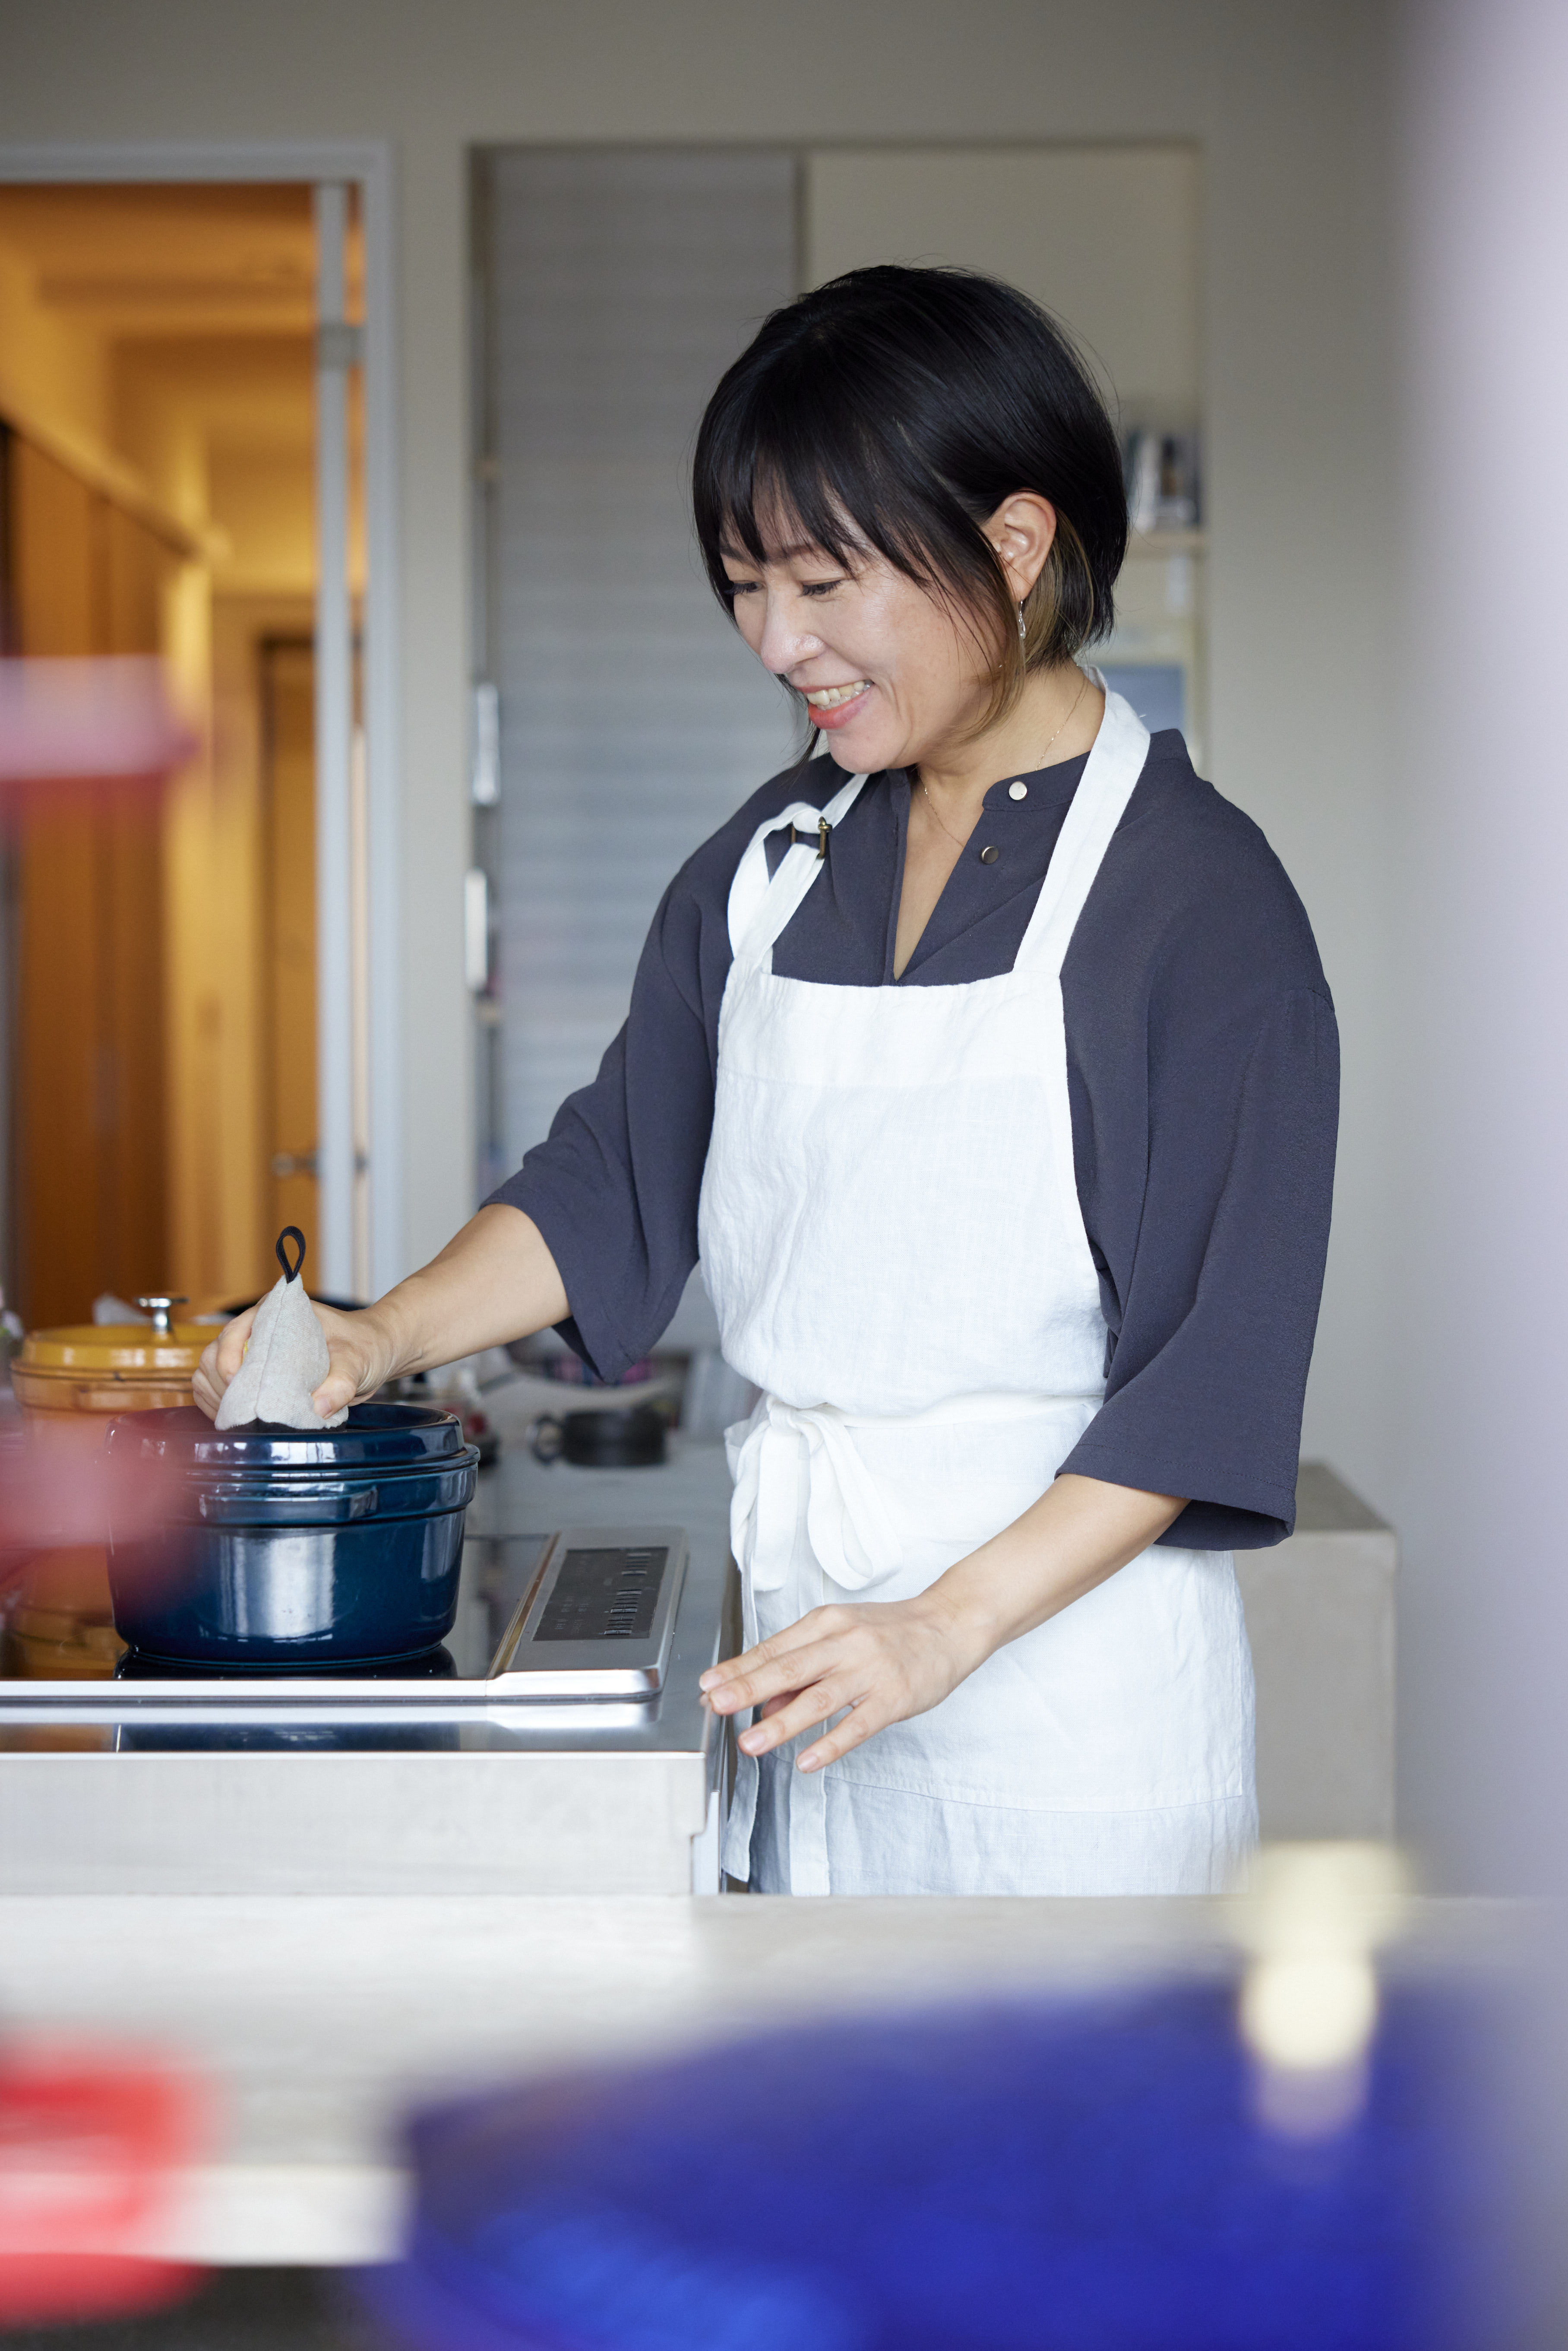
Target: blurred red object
{"x":93,"y":2144}
{"x":54,"y":1489}
{"x":105,"y":717}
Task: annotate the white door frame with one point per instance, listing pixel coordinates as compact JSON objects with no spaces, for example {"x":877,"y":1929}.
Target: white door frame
{"x":367,"y":164}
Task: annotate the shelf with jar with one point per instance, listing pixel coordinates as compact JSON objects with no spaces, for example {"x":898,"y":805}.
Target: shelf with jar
{"x":1154,"y":656}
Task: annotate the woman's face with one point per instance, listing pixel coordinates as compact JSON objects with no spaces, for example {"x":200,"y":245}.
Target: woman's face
{"x":890,"y":675}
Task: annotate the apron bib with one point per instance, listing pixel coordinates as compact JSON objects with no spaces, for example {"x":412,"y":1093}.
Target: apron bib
{"x":892,"y":1238}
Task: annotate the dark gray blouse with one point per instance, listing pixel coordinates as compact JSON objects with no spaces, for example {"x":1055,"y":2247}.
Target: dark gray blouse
{"x":1203,"y":1069}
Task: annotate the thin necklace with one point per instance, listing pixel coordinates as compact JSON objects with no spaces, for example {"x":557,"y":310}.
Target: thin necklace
{"x":1039,"y":763}
{"x":932,"y":806}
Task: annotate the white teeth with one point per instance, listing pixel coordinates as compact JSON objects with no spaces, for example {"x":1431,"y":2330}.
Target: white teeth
{"x":828,"y":697}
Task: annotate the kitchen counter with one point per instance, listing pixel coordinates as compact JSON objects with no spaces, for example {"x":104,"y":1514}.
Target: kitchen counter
{"x":225,"y":1789}
{"x":605,"y":1797}
{"x":320,"y":2020}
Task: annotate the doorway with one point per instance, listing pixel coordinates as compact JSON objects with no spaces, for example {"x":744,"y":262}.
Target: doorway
{"x":161,"y":384}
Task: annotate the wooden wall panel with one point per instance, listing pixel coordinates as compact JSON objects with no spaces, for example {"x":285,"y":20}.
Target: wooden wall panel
{"x":90,"y":1158}
{"x":55,"y":549}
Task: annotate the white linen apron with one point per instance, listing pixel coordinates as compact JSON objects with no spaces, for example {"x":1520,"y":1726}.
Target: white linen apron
{"x":892,"y":1238}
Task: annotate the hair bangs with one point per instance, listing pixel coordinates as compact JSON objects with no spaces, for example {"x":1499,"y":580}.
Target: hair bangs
{"x":793,"y":470}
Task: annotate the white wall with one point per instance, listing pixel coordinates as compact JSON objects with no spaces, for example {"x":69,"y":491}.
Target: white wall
{"x":1288,"y":103}
{"x":1107,"y":237}
{"x":1481,"y":1130}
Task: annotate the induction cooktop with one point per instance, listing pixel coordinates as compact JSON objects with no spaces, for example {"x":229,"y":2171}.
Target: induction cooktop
{"x":585,"y":1614}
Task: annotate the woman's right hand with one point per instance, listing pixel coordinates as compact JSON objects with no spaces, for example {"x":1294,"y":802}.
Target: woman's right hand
{"x":359,"y":1352}
{"x":495,"y":1281}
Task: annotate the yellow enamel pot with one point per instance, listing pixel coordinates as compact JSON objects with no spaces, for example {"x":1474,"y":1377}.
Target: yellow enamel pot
{"x":107,"y":1368}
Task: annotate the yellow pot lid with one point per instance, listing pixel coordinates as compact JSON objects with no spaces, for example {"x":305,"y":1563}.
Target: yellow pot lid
{"x":116,"y":1347}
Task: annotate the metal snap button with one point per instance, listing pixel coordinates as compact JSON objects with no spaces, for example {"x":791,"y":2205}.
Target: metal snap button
{"x":1018,"y":791}
{"x":989,"y":856}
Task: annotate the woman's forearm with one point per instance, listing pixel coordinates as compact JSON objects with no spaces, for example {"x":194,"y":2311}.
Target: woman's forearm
{"x":494,"y":1282}
{"x":1078,"y":1534}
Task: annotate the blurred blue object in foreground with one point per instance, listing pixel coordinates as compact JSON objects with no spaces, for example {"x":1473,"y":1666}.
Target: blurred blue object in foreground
{"x":1090,"y":2177}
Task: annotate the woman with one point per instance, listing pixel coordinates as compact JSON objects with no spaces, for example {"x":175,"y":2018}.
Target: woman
{"x":989,"y":1063}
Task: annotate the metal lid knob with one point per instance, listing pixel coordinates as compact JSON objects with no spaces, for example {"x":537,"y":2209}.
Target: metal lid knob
{"x":157,"y":1307}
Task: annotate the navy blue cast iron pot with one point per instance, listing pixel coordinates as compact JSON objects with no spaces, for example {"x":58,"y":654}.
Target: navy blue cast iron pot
{"x":277,"y":1547}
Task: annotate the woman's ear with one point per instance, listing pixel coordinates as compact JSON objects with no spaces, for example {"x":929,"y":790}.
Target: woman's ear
{"x":1022,"y":530}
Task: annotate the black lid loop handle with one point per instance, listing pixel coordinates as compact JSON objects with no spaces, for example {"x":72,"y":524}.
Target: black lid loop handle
{"x":290,"y":1233}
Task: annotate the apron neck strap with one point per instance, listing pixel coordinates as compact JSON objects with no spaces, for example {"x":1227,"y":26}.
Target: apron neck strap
{"x":1120,"y":753}
{"x":761,"y":908}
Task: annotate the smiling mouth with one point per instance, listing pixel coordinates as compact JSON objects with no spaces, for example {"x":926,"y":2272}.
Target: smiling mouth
{"x":828,"y":697}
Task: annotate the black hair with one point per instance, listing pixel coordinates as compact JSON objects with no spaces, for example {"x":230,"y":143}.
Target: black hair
{"x":900,"y":408}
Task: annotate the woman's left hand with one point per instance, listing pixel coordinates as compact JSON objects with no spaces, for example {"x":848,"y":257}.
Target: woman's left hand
{"x":887,"y":1659}
{"x":883,"y":1660}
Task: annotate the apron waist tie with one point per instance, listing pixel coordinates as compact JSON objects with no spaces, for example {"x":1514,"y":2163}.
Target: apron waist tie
{"x":852,"y":1538}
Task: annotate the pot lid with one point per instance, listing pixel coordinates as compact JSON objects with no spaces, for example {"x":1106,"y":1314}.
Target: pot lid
{"x":99,"y":1347}
{"x":375,"y":1436}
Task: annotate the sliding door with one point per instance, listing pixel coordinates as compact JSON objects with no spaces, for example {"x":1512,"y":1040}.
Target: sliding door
{"x":633,"y":721}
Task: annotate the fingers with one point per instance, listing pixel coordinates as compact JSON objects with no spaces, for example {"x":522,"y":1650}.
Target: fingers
{"x":228,"y":1349}
{"x":856,"y":1728}
{"x":345,"y":1379}
{"x":805,"y":1710}
{"x":776,"y":1677}
{"x":780,"y":1663}
{"x":220,"y":1359}
{"x":870,"y":1664}
{"x":360,"y":1359}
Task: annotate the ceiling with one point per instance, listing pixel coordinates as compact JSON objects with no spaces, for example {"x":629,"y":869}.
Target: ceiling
{"x":191,"y":311}
{"x":168,"y":260}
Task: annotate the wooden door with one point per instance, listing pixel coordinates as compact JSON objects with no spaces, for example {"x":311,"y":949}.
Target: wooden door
{"x":89,"y":1114}
{"x":288,"y":930}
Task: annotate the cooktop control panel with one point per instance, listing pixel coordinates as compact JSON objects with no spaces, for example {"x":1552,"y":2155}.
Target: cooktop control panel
{"x":598,"y":1619}
{"x":605,"y":1595}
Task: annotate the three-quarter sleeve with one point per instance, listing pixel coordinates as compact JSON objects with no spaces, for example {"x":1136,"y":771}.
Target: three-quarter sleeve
{"x":614,"y":1186}
{"x":1213,"y":1318}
